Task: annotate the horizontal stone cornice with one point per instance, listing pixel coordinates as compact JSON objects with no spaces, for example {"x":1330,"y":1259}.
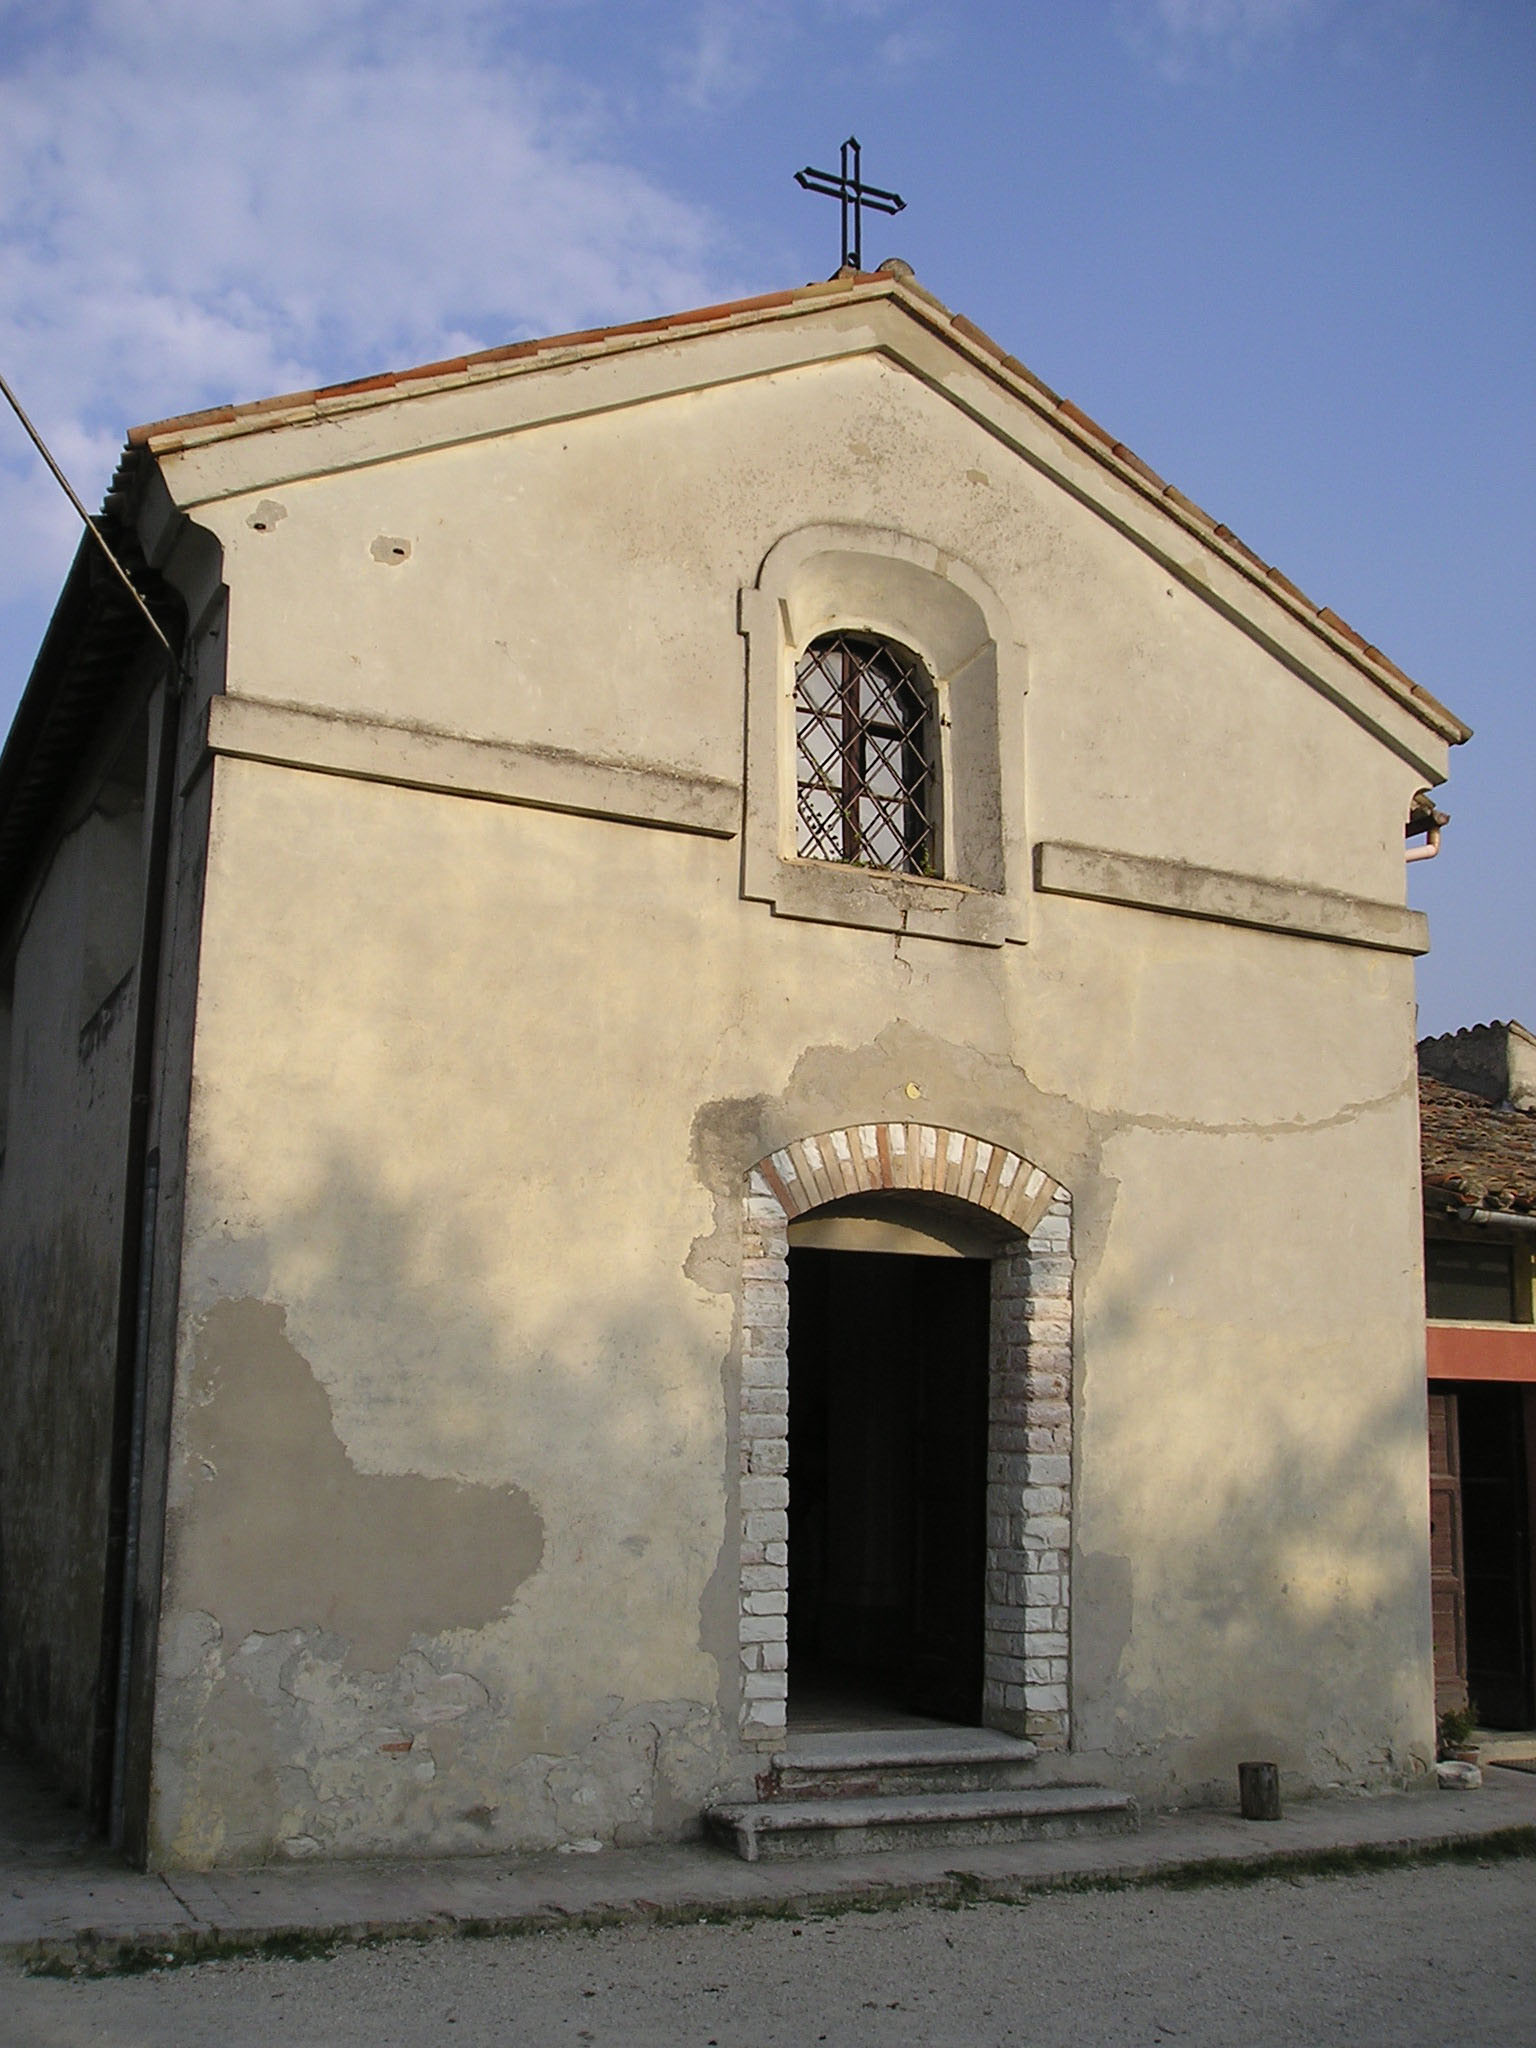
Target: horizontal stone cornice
{"x":417,"y":757}
{"x":1179,"y":889}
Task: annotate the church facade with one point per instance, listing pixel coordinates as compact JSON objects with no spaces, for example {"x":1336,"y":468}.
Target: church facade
{"x":737,"y":1048}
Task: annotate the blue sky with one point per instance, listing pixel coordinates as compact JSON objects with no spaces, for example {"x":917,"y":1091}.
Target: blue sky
{"x":1284,"y":248}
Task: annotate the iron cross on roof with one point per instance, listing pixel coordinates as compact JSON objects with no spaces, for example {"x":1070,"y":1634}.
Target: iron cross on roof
{"x":855,"y":195}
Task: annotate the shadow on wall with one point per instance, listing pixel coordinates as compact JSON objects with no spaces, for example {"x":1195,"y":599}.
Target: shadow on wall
{"x":418,"y":1570}
{"x":1266,"y":1592}
{"x":448,"y":1539}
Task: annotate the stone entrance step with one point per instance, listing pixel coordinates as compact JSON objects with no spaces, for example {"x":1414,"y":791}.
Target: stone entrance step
{"x":846,"y":1794}
{"x":772,"y":1829}
{"x":870,"y":1763}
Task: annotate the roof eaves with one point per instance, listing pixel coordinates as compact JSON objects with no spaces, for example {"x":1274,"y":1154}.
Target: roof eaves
{"x":93,"y":645}
{"x":296,"y":408}
{"x":163,"y":435}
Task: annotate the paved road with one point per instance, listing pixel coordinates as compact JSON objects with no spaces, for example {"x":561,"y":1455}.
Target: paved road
{"x":1443,"y":1957}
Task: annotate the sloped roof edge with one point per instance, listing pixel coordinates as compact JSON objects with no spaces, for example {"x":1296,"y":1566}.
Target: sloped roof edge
{"x":93,"y":643}
{"x":161,"y":437}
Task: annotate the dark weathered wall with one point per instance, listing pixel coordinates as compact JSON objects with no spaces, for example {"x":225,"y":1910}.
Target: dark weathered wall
{"x":170,"y":1086}
{"x":73,"y":1000}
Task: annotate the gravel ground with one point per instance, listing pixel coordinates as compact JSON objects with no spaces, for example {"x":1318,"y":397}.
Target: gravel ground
{"x":1434,"y":1956}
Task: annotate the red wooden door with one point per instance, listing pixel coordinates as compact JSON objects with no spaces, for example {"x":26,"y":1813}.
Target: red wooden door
{"x":1447,"y":1571}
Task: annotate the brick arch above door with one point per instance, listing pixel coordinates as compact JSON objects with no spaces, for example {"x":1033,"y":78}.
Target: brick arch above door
{"x":917,"y":1158}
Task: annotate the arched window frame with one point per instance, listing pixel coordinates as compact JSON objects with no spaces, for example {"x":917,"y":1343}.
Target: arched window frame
{"x":889,"y":586}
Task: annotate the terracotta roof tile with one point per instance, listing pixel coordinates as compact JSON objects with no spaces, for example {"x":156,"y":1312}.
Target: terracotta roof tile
{"x":1225,"y":533}
{"x":1194,"y":511}
{"x":1143,"y":469}
{"x":448,"y":366}
{"x":1342,"y":626}
{"x":1089,"y":426}
{"x":1475,"y":1154}
{"x":974,"y":333}
{"x":1022,"y":371}
{"x":1278,"y":576}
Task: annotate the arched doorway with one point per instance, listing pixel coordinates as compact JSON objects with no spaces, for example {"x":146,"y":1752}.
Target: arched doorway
{"x":905,"y":1436}
{"x":888,"y":1329}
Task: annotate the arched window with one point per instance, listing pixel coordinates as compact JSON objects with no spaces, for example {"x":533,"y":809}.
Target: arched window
{"x":866,"y":792}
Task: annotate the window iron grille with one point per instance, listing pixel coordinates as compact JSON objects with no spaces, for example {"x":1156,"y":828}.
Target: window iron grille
{"x":866,"y":792}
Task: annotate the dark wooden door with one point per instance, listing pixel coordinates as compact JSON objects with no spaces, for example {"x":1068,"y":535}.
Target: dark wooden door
{"x":1497,"y":1553}
{"x":887,"y":1478}
{"x":948,"y":1489}
{"x":1446,"y":1579}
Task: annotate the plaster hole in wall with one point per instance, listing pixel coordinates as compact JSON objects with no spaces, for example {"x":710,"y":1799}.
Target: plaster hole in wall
{"x":389,"y":547}
{"x":913,"y":1091}
{"x":266,"y":515}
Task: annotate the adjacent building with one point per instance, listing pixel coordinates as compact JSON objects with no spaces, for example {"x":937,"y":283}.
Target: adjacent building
{"x":1478,"y":1095}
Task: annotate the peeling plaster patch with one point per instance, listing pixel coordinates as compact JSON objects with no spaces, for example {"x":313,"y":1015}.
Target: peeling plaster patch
{"x":961,"y":1087}
{"x":727,"y":1141}
{"x":391,"y":548}
{"x":266,"y":515}
{"x":635,"y":1779}
{"x":188,"y":1642}
{"x":281,"y":1531}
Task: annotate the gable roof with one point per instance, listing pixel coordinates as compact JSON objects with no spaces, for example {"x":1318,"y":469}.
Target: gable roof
{"x":893,"y":283}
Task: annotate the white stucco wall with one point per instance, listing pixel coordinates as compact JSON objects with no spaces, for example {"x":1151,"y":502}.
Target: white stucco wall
{"x":477,"y":1086}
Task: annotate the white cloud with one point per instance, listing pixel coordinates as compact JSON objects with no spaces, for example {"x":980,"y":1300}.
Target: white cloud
{"x":1182,"y":39}
{"x":203,"y":200}
{"x":732,"y":46}
{"x":721,"y":61}
{"x":906,"y":49}
{"x":1177,"y":36}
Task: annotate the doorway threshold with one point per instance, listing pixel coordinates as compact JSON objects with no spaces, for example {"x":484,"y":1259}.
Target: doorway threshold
{"x":821,"y":1705}
{"x":1505,"y":1746}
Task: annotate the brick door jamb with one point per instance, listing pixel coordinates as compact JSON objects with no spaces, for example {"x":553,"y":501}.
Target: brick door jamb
{"x":1029,"y":1432}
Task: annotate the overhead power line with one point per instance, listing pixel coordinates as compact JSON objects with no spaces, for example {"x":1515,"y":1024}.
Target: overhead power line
{"x":91,"y":527}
